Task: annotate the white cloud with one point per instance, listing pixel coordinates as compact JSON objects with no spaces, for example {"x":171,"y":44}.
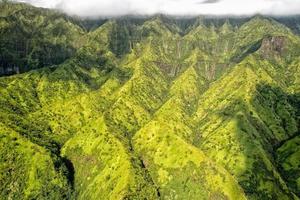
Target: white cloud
{"x":93,"y":8}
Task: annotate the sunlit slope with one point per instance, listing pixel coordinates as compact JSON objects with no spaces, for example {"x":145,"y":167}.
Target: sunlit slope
{"x":243,"y":117}
{"x":136,"y":103}
{"x":210,"y":112}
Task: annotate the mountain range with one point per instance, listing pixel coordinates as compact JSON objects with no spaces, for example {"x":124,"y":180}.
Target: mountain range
{"x":154,"y":107}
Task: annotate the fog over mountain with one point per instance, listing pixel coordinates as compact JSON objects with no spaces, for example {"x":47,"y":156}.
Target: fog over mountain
{"x":95,"y":8}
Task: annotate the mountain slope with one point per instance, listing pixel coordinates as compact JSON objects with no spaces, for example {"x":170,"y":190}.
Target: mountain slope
{"x":33,"y":38}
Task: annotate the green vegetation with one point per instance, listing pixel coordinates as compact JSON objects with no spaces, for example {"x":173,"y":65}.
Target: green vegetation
{"x":32,"y":38}
{"x":148,"y":108}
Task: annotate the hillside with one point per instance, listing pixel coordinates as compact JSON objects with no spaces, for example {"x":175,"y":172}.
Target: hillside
{"x":148,"y":108}
{"x":32,"y":38}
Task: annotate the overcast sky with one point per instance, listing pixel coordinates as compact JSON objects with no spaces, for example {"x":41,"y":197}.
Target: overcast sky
{"x":94,"y":8}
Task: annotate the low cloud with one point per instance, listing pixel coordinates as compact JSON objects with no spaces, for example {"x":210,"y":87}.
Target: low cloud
{"x":209,"y":1}
{"x":97,"y":8}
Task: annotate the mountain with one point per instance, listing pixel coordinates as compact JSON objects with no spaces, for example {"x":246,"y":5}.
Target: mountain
{"x":148,"y":107}
{"x":33,"y":38}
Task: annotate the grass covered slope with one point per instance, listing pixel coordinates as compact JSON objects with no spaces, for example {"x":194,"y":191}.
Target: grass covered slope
{"x":165,"y":110}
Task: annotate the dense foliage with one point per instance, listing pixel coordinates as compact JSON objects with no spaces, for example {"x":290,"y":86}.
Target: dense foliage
{"x":32,"y":38}
{"x":148,"y":108}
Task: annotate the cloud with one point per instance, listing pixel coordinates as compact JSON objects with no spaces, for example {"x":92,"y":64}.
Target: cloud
{"x":96,"y":8}
{"x":210,"y":1}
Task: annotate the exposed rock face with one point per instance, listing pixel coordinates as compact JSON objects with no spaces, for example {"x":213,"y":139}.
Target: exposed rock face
{"x":273,"y":45}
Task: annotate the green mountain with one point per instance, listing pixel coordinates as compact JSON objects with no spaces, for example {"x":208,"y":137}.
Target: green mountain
{"x":33,"y":38}
{"x":148,"y":107}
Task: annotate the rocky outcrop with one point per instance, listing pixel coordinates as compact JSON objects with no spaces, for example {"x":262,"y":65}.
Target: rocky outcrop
{"x":273,"y":45}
